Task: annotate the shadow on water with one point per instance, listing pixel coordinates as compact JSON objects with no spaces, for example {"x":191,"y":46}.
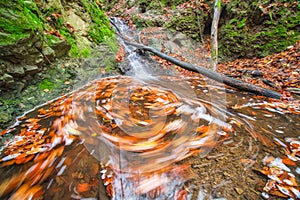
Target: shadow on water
{"x":153,"y":137}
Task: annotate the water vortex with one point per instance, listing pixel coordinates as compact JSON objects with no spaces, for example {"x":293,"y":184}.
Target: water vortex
{"x":141,"y":127}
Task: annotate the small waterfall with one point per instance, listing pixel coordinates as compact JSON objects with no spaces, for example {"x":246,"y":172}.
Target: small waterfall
{"x":139,"y":67}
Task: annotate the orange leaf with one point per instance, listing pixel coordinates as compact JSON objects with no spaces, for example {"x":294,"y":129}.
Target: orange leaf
{"x":3,"y":132}
{"x":8,"y":163}
{"x":41,"y":156}
{"x":83,"y":187}
{"x":287,"y":161}
{"x":202,"y":129}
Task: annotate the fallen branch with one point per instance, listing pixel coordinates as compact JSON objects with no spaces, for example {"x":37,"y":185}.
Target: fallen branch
{"x":210,"y":74}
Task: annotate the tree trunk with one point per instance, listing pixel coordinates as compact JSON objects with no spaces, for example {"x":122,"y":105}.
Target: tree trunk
{"x":214,"y":35}
{"x":210,"y":74}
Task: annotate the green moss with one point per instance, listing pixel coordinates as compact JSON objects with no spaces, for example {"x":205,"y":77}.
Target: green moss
{"x":18,"y":19}
{"x":278,"y":39}
{"x":100,"y":30}
{"x":46,"y":84}
{"x":185,"y":23}
{"x":247,"y":35}
{"x":172,"y":2}
{"x":85,"y":52}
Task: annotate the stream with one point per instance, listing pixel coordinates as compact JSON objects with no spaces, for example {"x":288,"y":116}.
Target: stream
{"x":150,"y":136}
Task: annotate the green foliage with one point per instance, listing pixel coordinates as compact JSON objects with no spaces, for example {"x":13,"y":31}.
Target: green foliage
{"x":241,"y":23}
{"x":18,"y":19}
{"x":278,"y":39}
{"x":172,"y":2}
{"x":85,"y":53}
{"x":101,"y":30}
{"x":259,"y":31}
{"x":185,"y":23}
{"x":47,"y":84}
{"x":219,"y":4}
{"x":55,"y":79}
{"x":236,"y":23}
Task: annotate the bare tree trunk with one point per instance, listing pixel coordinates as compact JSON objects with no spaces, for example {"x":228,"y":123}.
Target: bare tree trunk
{"x":214,"y":35}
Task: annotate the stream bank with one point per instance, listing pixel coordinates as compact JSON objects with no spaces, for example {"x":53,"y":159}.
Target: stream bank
{"x":247,"y":28}
{"x":48,"y":49}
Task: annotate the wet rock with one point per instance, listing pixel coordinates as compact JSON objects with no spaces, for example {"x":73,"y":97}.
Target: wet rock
{"x":34,"y":57}
{"x":76,"y":21}
{"x":7,"y":79}
{"x":54,"y":4}
{"x":155,"y":43}
{"x":38,"y":60}
{"x":2,"y":83}
{"x":182,"y":40}
{"x":61,"y":48}
{"x":49,"y":53}
{"x":171,"y":45}
{"x":10,"y":84}
{"x":16,"y":70}
{"x":31,"y":69}
{"x":23,"y":51}
{"x":18,"y":86}
{"x":81,"y":26}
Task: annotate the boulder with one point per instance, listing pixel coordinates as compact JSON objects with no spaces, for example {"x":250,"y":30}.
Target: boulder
{"x":7,"y":80}
{"x":61,"y":48}
{"x":16,"y":70}
{"x":31,"y":69}
{"x":49,"y":53}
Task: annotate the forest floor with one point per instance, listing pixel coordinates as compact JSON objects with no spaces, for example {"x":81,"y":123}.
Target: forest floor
{"x":279,"y":72}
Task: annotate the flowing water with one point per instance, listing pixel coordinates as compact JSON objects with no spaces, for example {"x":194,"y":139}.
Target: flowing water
{"x":145,"y":136}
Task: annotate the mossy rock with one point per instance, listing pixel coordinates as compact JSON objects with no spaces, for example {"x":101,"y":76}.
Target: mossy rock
{"x":185,"y":22}
{"x":250,"y":31}
{"x":18,"y":20}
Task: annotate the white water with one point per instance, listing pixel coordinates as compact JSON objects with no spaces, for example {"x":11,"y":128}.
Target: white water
{"x":138,"y":65}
